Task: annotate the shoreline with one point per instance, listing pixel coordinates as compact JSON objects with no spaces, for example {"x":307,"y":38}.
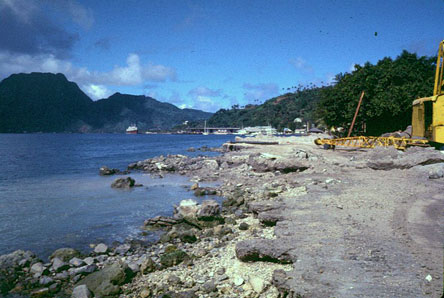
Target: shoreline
{"x":297,"y":220}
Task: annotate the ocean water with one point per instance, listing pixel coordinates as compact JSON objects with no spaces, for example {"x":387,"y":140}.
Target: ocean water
{"x":51,"y":195}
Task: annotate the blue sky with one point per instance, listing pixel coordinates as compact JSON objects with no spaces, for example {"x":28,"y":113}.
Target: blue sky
{"x":209,"y":54}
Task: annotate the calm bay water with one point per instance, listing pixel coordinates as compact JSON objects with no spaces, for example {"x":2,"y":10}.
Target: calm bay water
{"x":51,"y":195}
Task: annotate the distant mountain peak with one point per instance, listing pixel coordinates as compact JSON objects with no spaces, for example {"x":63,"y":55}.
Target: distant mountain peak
{"x":48,"y":102}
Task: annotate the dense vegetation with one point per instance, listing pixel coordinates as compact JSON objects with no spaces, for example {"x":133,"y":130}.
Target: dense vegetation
{"x":45,"y":102}
{"x":279,"y":112}
{"x":390,"y":87}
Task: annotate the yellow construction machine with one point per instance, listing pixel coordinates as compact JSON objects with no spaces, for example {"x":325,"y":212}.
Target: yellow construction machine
{"x":427,"y":120}
{"x":428,"y":112}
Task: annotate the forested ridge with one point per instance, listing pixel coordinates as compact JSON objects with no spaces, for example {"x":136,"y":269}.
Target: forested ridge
{"x":390,"y":87}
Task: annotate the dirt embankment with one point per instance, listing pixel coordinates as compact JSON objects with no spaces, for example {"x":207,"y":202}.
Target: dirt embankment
{"x":316,"y":223}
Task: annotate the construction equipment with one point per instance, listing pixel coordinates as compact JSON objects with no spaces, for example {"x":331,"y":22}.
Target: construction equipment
{"x":371,"y":142}
{"x":428,"y":112}
{"x":427,"y":120}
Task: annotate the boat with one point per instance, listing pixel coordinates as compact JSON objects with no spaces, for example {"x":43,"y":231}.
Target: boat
{"x":132,"y":129}
{"x":221,"y":132}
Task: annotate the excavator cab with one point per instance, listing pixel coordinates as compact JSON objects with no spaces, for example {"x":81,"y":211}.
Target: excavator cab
{"x":428,"y":112}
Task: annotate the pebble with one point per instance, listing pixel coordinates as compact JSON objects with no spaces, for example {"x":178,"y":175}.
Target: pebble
{"x":238,"y":281}
{"x":257,"y":284}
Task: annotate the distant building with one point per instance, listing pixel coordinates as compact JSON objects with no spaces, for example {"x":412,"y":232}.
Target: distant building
{"x":264,"y":130}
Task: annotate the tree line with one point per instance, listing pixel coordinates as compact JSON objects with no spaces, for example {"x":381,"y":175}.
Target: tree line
{"x":390,"y":87}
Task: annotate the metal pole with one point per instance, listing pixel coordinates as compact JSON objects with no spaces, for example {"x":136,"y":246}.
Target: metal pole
{"x":356,"y":114}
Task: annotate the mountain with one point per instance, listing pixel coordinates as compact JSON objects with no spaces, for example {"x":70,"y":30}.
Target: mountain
{"x":41,"y":102}
{"x":120,"y":110}
{"x":46,"y":102}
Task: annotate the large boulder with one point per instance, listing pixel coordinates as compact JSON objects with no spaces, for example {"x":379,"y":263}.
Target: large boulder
{"x":107,"y":282}
{"x":173,"y":258}
{"x":11,"y":266}
{"x":270,"y":163}
{"x":209,"y":208}
{"x":65,"y":254}
{"x":267,"y":250}
{"x":126,"y":182}
{"x":186,"y":208}
{"x":382,"y":158}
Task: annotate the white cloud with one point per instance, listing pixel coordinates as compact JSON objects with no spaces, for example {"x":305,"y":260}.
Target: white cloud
{"x":133,"y":74}
{"x":302,"y":65}
{"x":96,"y":91}
{"x":260,"y":92}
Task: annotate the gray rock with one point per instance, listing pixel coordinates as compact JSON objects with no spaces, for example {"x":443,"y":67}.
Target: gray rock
{"x":273,"y":163}
{"x":101,"y":248}
{"x":279,"y":280}
{"x":268,"y":250}
{"x":270,"y":218}
{"x":81,"y":291}
{"x":134,"y":267}
{"x":40,"y":293}
{"x":65,"y":254}
{"x":45,"y":280}
{"x":107,"y":281}
{"x":173,"y":258}
{"x":58,"y":265}
{"x":222,"y":278}
{"x":387,"y":159}
{"x":105,"y":171}
{"x":148,"y":265}
{"x":435,"y":171}
{"x":88,"y":260}
{"x":18,"y":258}
{"x":243,"y":226}
{"x":38,"y":269}
{"x":161,"y":221}
{"x":174,"y":280}
{"x":209,"y":287}
{"x":125,"y":183}
{"x":122,"y":249}
{"x":62,"y":275}
{"x":54,"y":288}
{"x":76,"y":262}
{"x":209,"y":208}
{"x":257,"y":283}
{"x":238,"y":281}
{"x":187,"y":236}
{"x":187,"y":208}
{"x":263,"y":206}
{"x":239,"y":213}
{"x":84,"y":270}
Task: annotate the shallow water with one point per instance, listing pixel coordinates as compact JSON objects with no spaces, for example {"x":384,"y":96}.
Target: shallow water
{"x":51,"y":195}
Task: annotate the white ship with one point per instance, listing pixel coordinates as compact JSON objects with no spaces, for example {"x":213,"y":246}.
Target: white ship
{"x":132,"y":129}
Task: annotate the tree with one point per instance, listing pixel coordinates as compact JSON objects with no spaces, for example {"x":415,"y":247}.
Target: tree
{"x":390,"y":87}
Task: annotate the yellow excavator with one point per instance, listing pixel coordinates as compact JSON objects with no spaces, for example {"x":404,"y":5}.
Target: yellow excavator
{"x":428,"y":112}
{"x":427,"y":121}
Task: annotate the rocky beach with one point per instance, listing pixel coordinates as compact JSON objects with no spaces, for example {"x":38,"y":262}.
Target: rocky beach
{"x":295,"y":221}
